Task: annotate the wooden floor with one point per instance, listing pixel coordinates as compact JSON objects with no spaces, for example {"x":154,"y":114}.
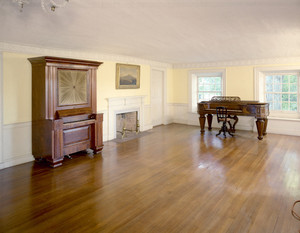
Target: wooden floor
{"x":171,"y":180}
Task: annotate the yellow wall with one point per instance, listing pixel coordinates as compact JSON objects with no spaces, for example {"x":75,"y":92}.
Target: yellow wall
{"x":17,"y":86}
{"x":239,"y":81}
{"x":170,"y":86}
{"x":106,"y":84}
{"x":180,"y":86}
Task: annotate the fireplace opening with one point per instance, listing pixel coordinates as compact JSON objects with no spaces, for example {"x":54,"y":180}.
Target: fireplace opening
{"x":127,"y":124}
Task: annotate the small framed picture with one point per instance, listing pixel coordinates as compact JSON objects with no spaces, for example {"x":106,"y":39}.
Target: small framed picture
{"x":127,"y":76}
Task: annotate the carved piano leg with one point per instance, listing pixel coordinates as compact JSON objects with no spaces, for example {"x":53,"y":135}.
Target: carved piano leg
{"x":260,"y":128}
{"x":209,"y":120}
{"x":265,"y":126}
{"x":202,"y":123}
{"x":230,"y":127}
{"x":236,"y":119}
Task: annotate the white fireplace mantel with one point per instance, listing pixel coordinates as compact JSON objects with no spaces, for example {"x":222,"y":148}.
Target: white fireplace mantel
{"x":117,"y":105}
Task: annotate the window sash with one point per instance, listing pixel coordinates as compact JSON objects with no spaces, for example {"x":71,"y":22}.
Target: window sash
{"x":288,"y":93}
{"x":213,"y":84}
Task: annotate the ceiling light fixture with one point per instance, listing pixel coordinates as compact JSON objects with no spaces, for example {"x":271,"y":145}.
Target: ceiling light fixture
{"x":47,"y":5}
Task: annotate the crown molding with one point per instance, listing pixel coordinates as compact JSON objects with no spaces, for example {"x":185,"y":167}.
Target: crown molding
{"x":267,"y":61}
{"x":16,"y":48}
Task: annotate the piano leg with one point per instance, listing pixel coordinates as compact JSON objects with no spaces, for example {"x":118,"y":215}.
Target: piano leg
{"x":202,"y":123}
{"x":236,"y":119}
{"x":265,"y":126}
{"x":260,"y":125}
{"x":209,"y":120}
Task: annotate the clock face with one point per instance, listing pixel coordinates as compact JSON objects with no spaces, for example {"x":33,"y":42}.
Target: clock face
{"x":72,"y":87}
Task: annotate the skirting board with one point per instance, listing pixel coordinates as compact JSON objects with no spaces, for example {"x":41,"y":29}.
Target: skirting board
{"x":16,"y":161}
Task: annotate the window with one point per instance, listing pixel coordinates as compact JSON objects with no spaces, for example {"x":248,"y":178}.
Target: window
{"x":281,"y":92}
{"x":204,"y":84}
{"x":209,"y":87}
{"x":280,"y":87}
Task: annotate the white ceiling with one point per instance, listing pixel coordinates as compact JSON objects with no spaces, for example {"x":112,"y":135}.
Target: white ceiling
{"x":171,"y":31}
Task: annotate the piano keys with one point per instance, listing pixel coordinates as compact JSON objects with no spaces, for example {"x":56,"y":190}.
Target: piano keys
{"x":236,"y":107}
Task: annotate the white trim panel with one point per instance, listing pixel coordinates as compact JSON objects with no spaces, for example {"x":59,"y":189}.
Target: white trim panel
{"x":17,"y":144}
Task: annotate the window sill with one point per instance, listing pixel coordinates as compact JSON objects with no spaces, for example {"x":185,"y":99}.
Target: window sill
{"x":283,"y":118}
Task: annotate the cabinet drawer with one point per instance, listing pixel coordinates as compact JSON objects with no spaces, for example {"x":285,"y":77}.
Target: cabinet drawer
{"x":76,"y":135}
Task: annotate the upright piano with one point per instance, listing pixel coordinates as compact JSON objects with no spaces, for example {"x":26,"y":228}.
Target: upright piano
{"x":64,"y":108}
{"x":235,"y":107}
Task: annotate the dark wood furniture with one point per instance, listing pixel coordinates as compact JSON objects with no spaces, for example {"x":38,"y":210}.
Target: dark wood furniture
{"x":64,"y":117}
{"x":222,"y":116}
{"x":235,"y":107}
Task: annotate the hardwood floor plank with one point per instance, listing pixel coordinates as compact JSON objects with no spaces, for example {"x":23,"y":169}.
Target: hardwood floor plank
{"x":171,"y":180}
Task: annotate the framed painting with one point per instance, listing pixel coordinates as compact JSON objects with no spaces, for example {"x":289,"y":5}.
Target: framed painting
{"x":127,"y":76}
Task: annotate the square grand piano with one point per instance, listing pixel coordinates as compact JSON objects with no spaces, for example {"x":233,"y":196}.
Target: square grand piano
{"x":236,"y":107}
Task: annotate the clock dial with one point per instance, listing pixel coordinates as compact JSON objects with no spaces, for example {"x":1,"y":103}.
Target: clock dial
{"x":72,"y":87}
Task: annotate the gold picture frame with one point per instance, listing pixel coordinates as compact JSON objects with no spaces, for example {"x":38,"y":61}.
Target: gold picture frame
{"x":127,"y":76}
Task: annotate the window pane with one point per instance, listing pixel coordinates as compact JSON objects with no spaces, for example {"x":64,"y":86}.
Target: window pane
{"x":207,"y":88}
{"x":269,"y":87}
{"x":277,"y":78}
{"x":277,"y":87}
{"x":285,"y":87}
{"x":277,"y":98}
{"x":285,"y":79}
{"x":269,"y":97}
{"x":218,"y":79}
{"x":293,"y":87}
{"x":201,"y":88}
{"x":200,"y":97}
{"x":293,"y":78}
{"x":206,"y":96}
{"x":218,"y":87}
{"x":285,"y":97}
{"x":277,"y":106}
{"x":271,"y":106}
{"x":269,"y":79}
{"x":285,"y":106}
{"x":293,"y":106}
{"x":293,"y":97}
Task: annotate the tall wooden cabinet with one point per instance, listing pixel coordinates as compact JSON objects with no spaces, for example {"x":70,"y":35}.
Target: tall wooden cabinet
{"x":64,"y":116}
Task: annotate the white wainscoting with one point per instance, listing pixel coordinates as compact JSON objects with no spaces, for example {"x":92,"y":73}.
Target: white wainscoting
{"x":284,"y":126}
{"x":17,"y":144}
{"x":179,"y":114}
{"x":147,"y":117}
{"x":17,"y":137}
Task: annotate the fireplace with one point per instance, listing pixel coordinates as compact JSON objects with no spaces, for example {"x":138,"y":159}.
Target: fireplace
{"x":127,"y":123}
{"x":121,"y":105}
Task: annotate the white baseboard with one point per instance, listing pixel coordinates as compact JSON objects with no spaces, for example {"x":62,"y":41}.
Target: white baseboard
{"x":148,"y":127}
{"x":20,"y":159}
